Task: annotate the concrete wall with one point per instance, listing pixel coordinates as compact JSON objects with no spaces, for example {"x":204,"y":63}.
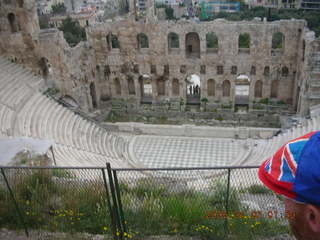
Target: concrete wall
{"x":195,"y":131}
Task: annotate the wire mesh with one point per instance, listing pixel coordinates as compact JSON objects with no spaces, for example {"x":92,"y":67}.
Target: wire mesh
{"x":204,"y":203}
{"x":215,"y":203}
{"x":55,"y":200}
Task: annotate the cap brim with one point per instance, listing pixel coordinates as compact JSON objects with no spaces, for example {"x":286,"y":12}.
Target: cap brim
{"x":282,"y":188}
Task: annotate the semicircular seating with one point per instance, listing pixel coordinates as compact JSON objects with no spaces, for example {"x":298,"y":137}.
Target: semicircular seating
{"x":26,"y":111}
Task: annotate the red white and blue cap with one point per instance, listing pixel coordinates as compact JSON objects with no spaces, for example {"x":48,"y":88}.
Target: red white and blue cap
{"x":294,"y":170}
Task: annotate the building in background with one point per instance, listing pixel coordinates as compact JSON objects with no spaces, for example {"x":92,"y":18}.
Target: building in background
{"x":44,"y":6}
{"x":288,"y":4}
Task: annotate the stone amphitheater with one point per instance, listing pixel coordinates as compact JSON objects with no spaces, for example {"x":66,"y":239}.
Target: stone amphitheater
{"x":34,"y":60}
{"x":26,"y":111}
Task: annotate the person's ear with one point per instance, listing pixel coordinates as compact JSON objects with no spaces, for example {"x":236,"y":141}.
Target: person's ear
{"x":313,"y":218}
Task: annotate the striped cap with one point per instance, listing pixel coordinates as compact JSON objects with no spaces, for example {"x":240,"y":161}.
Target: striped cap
{"x":294,"y":170}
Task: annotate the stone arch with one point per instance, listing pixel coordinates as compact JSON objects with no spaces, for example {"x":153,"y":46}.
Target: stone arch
{"x":161,"y":86}
{"x":258,"y":89}
{"x":278,"y":40}
{"x":93,"y":95}
{"x":192,"y":45}
{"x":284,"y":71}
{"x":226,"y":86}
{"x":113,"y":41}
{"x":175,"y":87}
{"x":143,"y":41}
{"x":117,"y":86}
{"x":173,"y":40}
{"x":13,"y":23}
{"x":244,"y":40}
{"x":145,"y":88}
{"x":253,"y":70}
{"x":131,"y":87}
{"x":211,"y":87}
{"x":44,"y":65}
{"x":212,"y":41}
{"x":274,"y":89}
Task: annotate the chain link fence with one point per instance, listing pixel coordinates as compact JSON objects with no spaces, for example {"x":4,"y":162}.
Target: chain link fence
{"x":199,"y":203}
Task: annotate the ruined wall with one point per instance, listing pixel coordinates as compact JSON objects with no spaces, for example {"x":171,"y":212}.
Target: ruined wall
{"x":228,"y":56}
{"x":309,"y":81}
{"x":112,"y":64}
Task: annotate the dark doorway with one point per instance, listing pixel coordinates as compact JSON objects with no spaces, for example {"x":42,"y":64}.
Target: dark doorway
{"x":93,"y":95}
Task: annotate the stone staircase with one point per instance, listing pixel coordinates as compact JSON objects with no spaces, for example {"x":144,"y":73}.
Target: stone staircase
{"x":26,"y":111}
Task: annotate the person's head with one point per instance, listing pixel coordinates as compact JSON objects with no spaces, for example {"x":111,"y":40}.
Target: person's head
{"x":294,"y":172}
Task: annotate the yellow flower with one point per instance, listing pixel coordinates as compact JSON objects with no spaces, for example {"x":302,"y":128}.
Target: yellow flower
{"x":105,"y":228}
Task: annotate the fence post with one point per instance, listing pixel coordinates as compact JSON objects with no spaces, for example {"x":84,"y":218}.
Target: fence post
{"x":113,"y":221}
{"x":227,"y":203}
{"x":114,"y":200}
{"x":15,"y":203}
{"x":119,"y":201}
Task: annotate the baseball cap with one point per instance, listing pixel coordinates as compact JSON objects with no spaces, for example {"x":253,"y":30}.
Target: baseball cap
{"x":294,"y":170}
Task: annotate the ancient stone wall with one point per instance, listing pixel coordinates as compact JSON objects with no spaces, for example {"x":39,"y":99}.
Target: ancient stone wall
{"x":224,"y":63}
{"x":135,"y":59}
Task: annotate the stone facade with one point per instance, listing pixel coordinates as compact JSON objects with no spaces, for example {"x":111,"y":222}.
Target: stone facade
{"x":136,"y":60}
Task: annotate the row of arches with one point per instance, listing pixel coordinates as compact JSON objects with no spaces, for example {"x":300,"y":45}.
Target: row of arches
{"x":192,"y":41}
{"x":146,"y":87}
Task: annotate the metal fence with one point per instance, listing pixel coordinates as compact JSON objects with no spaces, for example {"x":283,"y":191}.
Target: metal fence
{"x":208,"y":203}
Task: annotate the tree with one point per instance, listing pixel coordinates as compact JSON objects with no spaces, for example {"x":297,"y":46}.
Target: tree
{"x":72,"y":31}
{"x":58,"y":8}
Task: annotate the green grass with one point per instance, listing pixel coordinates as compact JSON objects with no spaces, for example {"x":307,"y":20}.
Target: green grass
{"x":51,"y":200}
{"x":258,"y":189}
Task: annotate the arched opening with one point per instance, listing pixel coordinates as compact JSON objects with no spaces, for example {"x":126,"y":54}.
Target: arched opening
{"x":253,"y":70}
{"x":44,"y":66}
{"x":211,"y":88}
{"x":192,"y":45}
{"x":175,"y":87}
{"x":274,"y":89}
{"x":303,"y":49}
{"x":113,"y":42}
{"x":117,"y":86}
{"x":145,"y":88}
{"x":258,"y":89}
{"x":244,"y":43}
{"x":284,"y":71}
{"x":193,"y":89}
{"x":12,"y":22}
{"x":266,"y":71}
{"x":93,"y":95}
{"x":131,"y":86}
{"x":143,"y":41}
{"x":212,"y":42}
{"x":173,"y":41}
{"x":161,"y":86}
{"x":278,"y":40}
{"x":226,"y":88}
